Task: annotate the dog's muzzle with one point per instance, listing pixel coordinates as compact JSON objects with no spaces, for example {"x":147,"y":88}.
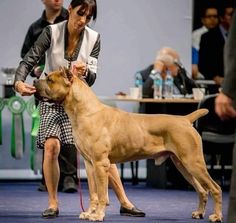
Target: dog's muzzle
{"x":37,"y":94}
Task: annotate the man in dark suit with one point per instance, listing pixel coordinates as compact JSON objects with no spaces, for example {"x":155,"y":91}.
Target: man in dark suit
{"x":225,"y":106}
{"x":211,"y":63}
{"x":167,"y":59}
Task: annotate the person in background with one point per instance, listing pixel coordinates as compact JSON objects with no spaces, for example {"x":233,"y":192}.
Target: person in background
{"x":53,"y":13}
{"x":225,"y":107}
{"x":71,"y":44}
{"x":211,"y":64}
{"x":167,"y":59}
{"x":195,"y":71}
{"x":209,"y":19}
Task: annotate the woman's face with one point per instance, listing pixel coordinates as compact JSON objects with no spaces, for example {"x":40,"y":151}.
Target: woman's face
{"x":79,"y":17}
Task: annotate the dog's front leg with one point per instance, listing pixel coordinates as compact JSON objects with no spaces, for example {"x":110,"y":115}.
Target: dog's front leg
{"x":101,"y":169}
{"x":93,"y":203}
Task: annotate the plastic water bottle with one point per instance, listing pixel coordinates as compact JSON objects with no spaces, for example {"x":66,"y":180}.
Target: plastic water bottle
{"x":157,"y":85}
{"x":168,"y":86}
{"x":139,"y":84}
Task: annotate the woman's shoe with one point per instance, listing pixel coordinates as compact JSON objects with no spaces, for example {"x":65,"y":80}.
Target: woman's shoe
{"x":50,"y":213}
{"x":133,"y":212}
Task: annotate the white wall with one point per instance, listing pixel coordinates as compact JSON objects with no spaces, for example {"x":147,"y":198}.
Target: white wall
{"x":131,"y":32}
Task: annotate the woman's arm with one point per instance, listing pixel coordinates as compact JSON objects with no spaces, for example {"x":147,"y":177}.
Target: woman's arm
{"x":30,"y":60}
{"x":34,"y":55}
{"x":92,"y":63}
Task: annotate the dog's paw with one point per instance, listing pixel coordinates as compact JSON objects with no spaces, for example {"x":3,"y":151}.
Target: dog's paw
{"x":96,"y":217}
{"x":197,"y":215}
{"x":215,"y":218}
{"x":84,"y":215}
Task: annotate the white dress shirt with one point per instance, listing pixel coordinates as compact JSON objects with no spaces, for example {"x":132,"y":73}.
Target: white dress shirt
{"x":196,"y":36}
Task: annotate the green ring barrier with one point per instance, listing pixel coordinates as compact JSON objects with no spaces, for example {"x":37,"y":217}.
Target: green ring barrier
{"x":33,"y":111}
{"x":17,"y":105}
{"x":30,"y":106}
{"x":2,"y":104}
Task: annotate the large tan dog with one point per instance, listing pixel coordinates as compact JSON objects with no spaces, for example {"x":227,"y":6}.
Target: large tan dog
{"x":106,"y":135}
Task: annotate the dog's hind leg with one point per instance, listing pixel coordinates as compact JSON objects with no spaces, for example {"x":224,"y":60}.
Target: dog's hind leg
{"x":209,"y":184}
{"x":92,"y":192}
{"x":190,"y":154}
{"x":199,"y":171}
{"x":202,"y":193}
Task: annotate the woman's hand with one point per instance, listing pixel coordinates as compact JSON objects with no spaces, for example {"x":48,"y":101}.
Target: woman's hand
{"x":79,"y":69}
{"x":218,"y":80}
{"x":24,"y":89}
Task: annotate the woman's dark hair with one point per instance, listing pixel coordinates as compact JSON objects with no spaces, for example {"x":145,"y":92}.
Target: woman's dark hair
{"x":86,"y":4}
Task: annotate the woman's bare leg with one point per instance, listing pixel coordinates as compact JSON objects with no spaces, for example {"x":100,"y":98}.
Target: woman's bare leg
{"x":51,"y":170}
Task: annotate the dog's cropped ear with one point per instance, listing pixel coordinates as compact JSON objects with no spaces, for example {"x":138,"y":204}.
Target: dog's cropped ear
{"x":67,"y":73}
{"x":62,"y":69}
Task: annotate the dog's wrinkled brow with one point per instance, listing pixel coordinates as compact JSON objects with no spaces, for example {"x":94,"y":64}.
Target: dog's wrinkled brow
{"x":49,"y":79}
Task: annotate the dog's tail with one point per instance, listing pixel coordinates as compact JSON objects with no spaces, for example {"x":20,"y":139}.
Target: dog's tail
{"x":192,"y":117}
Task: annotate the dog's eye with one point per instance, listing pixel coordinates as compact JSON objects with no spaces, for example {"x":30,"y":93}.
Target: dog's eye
{"x":49,"y":80}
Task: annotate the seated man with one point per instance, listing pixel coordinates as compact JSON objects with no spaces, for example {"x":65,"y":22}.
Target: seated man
{"x":167,"y":59}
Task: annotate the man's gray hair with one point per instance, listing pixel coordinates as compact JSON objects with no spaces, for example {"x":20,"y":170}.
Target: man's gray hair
{"x":167,"y":55}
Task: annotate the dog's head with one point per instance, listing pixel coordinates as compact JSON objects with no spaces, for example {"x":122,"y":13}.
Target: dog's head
{"x":55,"y":86}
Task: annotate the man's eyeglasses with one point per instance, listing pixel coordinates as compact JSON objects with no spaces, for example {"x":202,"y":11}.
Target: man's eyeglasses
{"x":211,"y":16}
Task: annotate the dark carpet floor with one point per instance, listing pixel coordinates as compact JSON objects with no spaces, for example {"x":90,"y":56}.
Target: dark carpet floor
{"x":21,"y":202}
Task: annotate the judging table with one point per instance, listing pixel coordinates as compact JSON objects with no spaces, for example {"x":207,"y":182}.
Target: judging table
{"x":176,"y":105}
{"x":152,"y":100}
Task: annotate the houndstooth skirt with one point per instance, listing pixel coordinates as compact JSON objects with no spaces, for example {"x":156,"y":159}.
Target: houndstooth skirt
{"x":54,"y":122}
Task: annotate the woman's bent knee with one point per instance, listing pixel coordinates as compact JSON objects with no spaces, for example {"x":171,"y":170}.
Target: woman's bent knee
{"x":52,"y":148}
